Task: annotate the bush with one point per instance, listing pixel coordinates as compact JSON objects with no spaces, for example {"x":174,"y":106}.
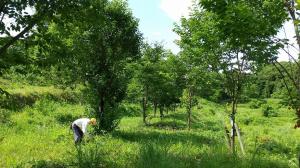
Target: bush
{"x":4,"y":116}
{"x":256,"y":103}
{"x":110,"y":119}
{"x":268,"y":111}
{"x":89,"y":156}
{"x":267,"y":144}
{"x":152,"y":156}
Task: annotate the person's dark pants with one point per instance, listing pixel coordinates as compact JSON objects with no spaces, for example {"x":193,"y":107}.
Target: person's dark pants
{"x":78,"y":134}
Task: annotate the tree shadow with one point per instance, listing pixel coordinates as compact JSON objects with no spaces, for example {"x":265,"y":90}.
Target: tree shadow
{"x":153,"y":156}
{"x":165,"y":138}
{"x":177,"y":121}
{"x":177,"y":116}
{"x":16,"y":102}
{"x":43,"y":164}
{"x":207,"y":125}
{"x":168,"y":125}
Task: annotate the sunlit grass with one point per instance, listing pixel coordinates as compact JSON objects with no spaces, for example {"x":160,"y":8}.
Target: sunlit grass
{"x":39,"y":135}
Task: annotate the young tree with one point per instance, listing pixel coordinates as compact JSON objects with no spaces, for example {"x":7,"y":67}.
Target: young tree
{"x":291,"y":77}
{"x":217,"y":32}
{"x":109,"y":40}
{"x":148,"y":75}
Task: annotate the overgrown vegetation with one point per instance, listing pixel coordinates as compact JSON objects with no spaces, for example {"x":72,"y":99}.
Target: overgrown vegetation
{"x":162,"y":143}
{"x":73,"y":59}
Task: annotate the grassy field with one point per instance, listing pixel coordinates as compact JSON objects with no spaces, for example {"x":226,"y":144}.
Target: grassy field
{"x":36,"y":134}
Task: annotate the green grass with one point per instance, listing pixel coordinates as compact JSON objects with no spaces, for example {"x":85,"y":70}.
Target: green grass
{"x":38,"y":135}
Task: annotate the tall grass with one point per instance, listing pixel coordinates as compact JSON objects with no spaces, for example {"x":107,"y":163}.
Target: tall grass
{"x":38,"y":135}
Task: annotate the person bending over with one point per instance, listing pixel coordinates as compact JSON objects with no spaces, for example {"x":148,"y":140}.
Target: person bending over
{"x":79,"y":128}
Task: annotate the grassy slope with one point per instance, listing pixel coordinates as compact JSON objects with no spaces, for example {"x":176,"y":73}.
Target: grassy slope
{"x":38,"y":136}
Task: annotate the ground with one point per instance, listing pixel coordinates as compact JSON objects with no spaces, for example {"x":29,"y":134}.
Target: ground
{"x":35,"y":133}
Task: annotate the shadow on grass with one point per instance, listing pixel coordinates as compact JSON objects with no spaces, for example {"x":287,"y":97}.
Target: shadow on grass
{"x":177,"y":121}
{"x":165,"y":138}
{"x":43,"y":164}
{"x":207,"y":125}
{"x":17,"y":101}
{"x":177,"y":116}
{"x":154,"y":156}
{"x":168,"y":125}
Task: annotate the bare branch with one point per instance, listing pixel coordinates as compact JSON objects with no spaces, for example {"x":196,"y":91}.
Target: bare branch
{"x":292,"y":57}
{"x":286,"y":85}
{"x":2,"y":17}
{"x":289,"y":76}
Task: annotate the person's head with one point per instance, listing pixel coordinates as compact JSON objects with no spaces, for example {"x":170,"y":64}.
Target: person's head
{"x":93,"y":121}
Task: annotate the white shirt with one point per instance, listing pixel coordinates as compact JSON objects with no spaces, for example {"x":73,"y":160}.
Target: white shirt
{"x":82,"y":123}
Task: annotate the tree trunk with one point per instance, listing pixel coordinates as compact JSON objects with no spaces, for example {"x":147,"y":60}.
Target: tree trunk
{"x":299,"y":160}
{"x":155,"y":108}
{"x":161,"y":111}
{"x":101,"y":110}
{"x":144,"y":104}
{"x":234,"y":106}
{"x":297,"y":125}
{"x":290,"y":5}
{"x":189,"y":110}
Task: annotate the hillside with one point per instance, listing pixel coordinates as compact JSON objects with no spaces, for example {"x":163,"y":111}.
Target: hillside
{"x":37,"y":134}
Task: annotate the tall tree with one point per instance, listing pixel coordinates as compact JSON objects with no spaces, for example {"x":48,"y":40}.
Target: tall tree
{"x":110,"y":39}
{"x":233,"y":37}
{"x":148,"y":75}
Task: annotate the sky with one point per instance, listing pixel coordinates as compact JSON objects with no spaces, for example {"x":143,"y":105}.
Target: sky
{"x":157,"y":19}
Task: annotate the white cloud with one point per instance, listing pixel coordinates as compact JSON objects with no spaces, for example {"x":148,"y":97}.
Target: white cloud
{"x":175,"y":9}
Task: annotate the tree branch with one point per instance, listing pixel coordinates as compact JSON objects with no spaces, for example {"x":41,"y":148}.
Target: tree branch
{"x":289,"y":76}
{"x":2,"y":5}
{"x":2,"y":17}
{"x":286,"y":85}
{"x":290,"y":5}
{"x":292,"y":57}
{"x":14,"y":39}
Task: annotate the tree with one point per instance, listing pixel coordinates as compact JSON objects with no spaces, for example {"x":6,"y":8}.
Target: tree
{"x":110,"y":39}
{"x":148,"y":75}
{"x":24,"y":22}
{"x":216,"y":32}
{"x":291,"y":76}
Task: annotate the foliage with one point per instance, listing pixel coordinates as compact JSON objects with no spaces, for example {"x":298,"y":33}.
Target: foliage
{"x":134,"y":145}
{"x":107,"y":54}
{"x":268,"y":111}
{"x":257,"y":103}
{"x":89,"y":155}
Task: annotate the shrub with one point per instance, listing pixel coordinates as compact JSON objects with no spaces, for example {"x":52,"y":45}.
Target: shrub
{"x":256,"y":103}
{"x":89,"y":156}
{"x":4,"y":116}
{"x":268,"y":111}
{"x":152,"y":156}
{"x":268,"y":144}
{"x":110,"y":120}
